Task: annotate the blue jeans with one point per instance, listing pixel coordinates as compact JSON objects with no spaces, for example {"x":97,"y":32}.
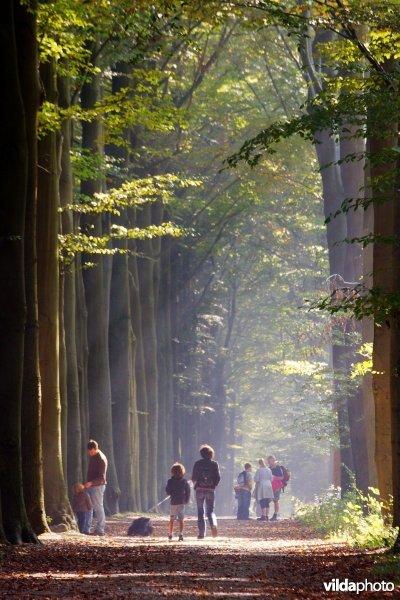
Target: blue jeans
{"x":207,"y":496}
{"x":96,"y":494}
{"x":244,"y":499}
{"x":83,"y":518}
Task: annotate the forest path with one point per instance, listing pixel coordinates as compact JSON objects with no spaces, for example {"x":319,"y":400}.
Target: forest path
{"x":249,"y":560}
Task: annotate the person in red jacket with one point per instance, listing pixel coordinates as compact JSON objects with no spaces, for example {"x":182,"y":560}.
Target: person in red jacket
{"x":96,"y":485}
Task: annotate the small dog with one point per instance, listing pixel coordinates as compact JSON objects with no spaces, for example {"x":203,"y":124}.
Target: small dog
{"x":141,"y":527}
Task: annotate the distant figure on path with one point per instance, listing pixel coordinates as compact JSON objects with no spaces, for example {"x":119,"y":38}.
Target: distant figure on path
{"x":205,"y":479}
{"x":179,"y":491}
{"x":277,"y":483}
{"x":243,"y":491}
{"x":82,"y":507}
{"x":263,"y":490}
{"x":96,"y":485}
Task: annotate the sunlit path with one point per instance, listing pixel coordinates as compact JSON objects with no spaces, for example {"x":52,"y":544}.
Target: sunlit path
{"x":247,"y":560}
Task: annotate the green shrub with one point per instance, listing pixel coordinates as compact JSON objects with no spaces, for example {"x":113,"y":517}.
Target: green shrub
{"x":356,"y":518}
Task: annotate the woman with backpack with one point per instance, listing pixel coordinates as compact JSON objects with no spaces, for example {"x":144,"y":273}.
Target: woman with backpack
{"x":263,"y":490}
{"x":205,"y":479}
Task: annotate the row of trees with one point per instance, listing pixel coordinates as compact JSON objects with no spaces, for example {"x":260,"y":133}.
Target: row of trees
{"x":150,"y":299}
{"x":349,"y":58}
{"x":118,"y":322}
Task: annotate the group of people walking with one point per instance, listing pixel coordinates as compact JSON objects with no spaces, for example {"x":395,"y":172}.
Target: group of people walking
{"x":265,"y":485}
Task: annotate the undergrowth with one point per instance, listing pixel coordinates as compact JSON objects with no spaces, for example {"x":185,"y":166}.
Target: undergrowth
{"x":357,"y":518}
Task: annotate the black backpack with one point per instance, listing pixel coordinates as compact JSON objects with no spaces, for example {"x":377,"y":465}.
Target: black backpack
{"x":206,"y":478}
{"x":141,"y":527}
{"x":242,"y":478}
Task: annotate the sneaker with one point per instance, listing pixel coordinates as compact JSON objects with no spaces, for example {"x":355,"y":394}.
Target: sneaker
{"x":200,"y":536}
{"x":180,"y":538}
{"x":274,"y":517}
{"x":262,"y":518}
{"x":214,"y":531}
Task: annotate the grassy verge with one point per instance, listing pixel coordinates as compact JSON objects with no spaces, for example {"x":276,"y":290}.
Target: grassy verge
{"x":356,"y":519}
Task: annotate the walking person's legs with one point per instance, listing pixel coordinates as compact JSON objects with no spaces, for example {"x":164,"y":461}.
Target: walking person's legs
{"x":246,"y":505}
{"x":264,"y":505}
{"x":171,"y":527}
{"x":212,"y":519}
{"x":87,"y":519}
{"x":240,"y":498}
{"x":80,"y":519}
{"x":201,"y":524}
{"x":277,"y":495}
{"x":97,"y":496}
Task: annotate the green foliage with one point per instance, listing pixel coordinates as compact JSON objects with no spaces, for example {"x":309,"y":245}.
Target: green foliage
{"x":374,"y":302}
{"x":133,"y":193}
{"x":356,"y":519}
{"x":73,"y":243}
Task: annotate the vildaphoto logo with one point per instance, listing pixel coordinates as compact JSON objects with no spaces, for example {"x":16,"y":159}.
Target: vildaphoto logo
{"x":345,"y":585}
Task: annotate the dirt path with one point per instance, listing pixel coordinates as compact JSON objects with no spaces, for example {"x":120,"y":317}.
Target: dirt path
{"x":247,"y":561}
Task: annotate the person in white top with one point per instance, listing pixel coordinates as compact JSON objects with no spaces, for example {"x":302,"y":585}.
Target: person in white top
{"x":263,"y":490}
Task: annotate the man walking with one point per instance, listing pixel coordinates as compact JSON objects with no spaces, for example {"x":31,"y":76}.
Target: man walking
{"x":96,"y":485}
{"x":243,"y":491}
{"x":205,"y":478}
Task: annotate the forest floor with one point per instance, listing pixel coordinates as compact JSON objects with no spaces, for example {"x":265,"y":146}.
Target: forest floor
{"x":249,"y":560}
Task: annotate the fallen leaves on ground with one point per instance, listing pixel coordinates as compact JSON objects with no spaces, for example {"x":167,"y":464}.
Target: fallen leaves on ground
{"x":248,"y":561}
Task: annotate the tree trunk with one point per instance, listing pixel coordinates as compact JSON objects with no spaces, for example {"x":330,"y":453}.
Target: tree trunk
{"x":327,"y":151}
{"x":96,"y":284}
{"x":74,"y":434}
{"x":32,"y":459}
{"x":386,"y":277}
{"x":147,"y":301}
{"x":82,"y":357}
{"x":140,"y":377}
{"x":56,"y":500}
{"x":122,"y":341}
{"x":63,"y":374}
{"x":14,"y":160}
{"x":353,"y":179}
{"x":165,"y":363}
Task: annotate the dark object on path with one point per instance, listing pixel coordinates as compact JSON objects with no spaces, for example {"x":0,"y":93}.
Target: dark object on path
{"x":141,"y":527}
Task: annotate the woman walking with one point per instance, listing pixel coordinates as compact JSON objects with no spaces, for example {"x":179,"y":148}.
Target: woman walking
{"x":263,"y":490}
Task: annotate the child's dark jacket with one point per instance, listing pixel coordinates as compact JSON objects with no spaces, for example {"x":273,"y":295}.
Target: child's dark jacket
{"x":81,"y":502}
{"x":179,"y":490}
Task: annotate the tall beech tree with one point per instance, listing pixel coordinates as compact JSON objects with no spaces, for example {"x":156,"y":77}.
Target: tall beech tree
{"x":56,"y":498}
{"x":15,"y":157}
{"x":32,"y":460}
{"x":69,"y":275}
{"x":96,"y":293}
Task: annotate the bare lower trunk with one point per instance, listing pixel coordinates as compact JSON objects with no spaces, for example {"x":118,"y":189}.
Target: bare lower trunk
{"x":147,"y":301}
{"x":386,"y":262}
{"x":96,"y":283}
{"x":56,"y":500}
{"x":140,"y":379}
{"x":74,"y":433}
{"x":14,"y":159}
{"x":32,"y":460}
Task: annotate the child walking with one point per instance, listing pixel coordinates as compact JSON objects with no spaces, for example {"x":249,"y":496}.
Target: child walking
{"x":179,"y":491}
{"x":83,"y":507}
